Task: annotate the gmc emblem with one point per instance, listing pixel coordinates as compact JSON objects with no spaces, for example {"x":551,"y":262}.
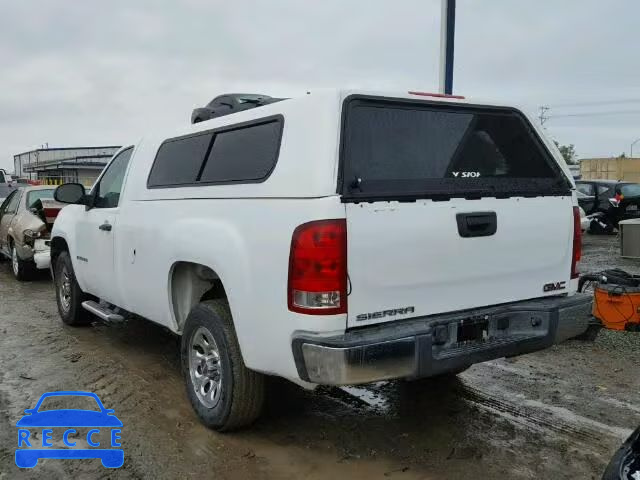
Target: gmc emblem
{"x":551,"y":287}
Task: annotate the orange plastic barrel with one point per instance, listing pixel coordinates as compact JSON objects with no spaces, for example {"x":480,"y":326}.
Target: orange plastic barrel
{"x":617,"y":307}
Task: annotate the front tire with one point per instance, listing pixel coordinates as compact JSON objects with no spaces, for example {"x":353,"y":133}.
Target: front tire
{"x":69,"y":296}
{"x":224,"y":393}
{"x":22,"y":269}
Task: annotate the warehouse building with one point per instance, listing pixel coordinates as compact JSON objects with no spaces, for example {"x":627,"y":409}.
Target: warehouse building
{"x":63,"y":165}
{"x":612,"y":168}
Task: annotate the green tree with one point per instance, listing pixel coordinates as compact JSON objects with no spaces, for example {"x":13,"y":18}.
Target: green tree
{"x":568,"y":152}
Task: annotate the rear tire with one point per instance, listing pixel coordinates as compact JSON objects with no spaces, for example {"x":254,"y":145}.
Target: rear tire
{"x":590,"y":334}
{"x":224,"y":393}
{"x":69,"y":295}
{"x":23,"y":270}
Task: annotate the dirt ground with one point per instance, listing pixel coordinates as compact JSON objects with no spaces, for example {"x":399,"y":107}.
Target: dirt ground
{"x":556,"y":414}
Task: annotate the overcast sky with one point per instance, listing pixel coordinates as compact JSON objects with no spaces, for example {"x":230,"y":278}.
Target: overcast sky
{"x":105,"y":72}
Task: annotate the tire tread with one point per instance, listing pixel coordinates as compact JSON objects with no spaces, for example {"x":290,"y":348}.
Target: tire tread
{"x":248,"y":387}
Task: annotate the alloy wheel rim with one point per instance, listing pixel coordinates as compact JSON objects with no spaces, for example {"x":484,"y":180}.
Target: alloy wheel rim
{"x":204,"y":367}
{"x":64,"y":289}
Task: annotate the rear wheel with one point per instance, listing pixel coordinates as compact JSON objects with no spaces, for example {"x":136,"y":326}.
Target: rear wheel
{"x":69,"y":296}
{"x":590,"y":334}
{"x":224,"y":393}
{"x":22,"y":269}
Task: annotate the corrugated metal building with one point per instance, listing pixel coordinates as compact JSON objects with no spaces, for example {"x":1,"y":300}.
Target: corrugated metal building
{"x":613,"y":168}
{"x":63,"y":165}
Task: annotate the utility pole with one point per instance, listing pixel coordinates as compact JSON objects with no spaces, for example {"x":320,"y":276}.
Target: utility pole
{"x":543,"y":117}
{"x":447,"y":37}
{"x":632,"y":144}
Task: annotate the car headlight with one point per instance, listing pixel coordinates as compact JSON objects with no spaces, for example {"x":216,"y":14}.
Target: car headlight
{"x":30,"y":237}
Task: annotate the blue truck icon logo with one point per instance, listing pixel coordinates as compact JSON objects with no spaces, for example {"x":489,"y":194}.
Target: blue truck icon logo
{"x":31,"y":448}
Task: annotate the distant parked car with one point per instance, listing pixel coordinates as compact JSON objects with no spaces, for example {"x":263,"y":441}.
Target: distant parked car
{"x":231,"y":103}
{"x":6,"y":185}
{"x":22,"y":182}
{"x":596,"y":194}
{"x":26,"y":219}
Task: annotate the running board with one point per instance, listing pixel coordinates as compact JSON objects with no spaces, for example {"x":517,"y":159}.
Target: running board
{"x":102,"y":312}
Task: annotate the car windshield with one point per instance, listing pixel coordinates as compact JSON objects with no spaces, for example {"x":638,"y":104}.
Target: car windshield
{"x":35,"y":195}
{"x":250,"y":98}
{"x":64,"y":402}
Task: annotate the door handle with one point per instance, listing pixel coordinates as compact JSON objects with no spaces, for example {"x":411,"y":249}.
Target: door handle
{"x":477,"y":224}
{"x":105,"y":227}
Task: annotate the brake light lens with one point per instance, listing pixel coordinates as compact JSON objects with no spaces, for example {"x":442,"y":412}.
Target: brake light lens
{"x":577,"y":243}
{"x":318,"y":268}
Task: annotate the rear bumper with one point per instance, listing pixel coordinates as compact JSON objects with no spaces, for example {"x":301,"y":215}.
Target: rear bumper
{"x":428,"y":346}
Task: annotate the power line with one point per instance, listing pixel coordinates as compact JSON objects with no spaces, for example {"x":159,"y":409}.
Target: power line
{"x":592,"y":114}
{"x":598,"y":102}
{"x":543,"y":117}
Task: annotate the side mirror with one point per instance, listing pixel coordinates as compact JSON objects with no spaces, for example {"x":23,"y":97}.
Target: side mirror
{"x":70,"y":193}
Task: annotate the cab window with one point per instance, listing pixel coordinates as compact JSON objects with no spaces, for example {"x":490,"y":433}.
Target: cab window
{"x":110,"y":186}
{"x":11,"y":205}
{"x":585,"y":188}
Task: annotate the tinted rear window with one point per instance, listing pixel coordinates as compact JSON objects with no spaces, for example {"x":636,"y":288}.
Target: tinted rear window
{"x":240,"y":153}
{"x":585,"y":188}
{"x":179,"y":160}
{"x":244,"y":154}
{"x":404,"y":149}
{"x":630,"y":190}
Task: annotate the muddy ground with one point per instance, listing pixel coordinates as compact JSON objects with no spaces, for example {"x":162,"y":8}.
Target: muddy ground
{"x":556,"y":414}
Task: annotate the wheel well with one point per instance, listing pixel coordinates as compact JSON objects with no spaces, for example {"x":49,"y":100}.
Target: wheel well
{"x":58,"y":245}
{"x":190,"y":284}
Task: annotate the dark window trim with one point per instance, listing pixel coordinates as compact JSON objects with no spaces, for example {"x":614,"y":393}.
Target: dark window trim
{"x":279,"y":119}
{"x":18,"y":193}
{"x":349,"y":197}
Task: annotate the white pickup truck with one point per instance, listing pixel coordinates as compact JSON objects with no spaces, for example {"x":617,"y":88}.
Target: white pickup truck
{"x":339,"y":238}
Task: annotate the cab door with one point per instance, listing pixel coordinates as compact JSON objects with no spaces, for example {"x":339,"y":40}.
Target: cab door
{"x":96,"y":230}
{"x":8,"y":211}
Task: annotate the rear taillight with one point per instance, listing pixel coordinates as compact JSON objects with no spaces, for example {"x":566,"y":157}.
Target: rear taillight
{"x":318,"y":268}
{"x":577,"y":243}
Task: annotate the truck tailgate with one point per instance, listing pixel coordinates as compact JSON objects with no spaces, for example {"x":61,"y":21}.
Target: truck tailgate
{"x":409,"y":259}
